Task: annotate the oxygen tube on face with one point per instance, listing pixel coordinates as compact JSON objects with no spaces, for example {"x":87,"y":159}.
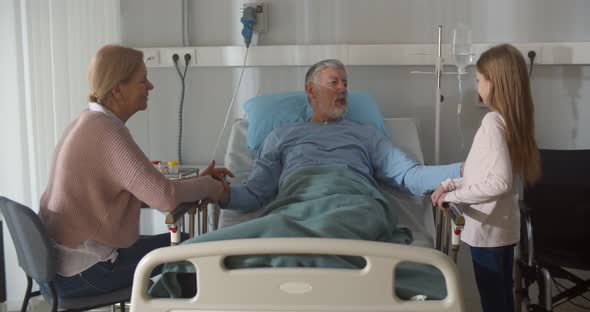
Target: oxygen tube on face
{"x":344,"y":93}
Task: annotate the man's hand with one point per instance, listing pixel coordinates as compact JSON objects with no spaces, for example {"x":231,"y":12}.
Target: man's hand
{"x":218,"y":174}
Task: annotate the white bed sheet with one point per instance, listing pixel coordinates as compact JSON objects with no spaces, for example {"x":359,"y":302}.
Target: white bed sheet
{"x":414,"y":212}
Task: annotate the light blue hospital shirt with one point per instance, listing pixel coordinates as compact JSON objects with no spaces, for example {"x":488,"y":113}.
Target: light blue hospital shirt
{"x":345,"y":144}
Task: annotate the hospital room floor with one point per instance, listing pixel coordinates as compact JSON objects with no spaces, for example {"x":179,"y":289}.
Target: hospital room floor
{"x":472,"y":303}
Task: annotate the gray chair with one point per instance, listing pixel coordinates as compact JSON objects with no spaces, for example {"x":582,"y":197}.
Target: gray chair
{"x":36,"y":257}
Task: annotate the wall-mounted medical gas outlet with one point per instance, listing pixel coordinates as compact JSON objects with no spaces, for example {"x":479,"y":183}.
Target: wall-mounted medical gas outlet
{"x":261,"y":15}
{"x":166,"y":56}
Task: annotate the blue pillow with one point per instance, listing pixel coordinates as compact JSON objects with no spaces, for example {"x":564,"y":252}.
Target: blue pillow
{"x":270,"y":111}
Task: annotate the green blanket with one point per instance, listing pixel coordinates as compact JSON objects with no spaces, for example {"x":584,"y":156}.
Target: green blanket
{"x":319,"y":202}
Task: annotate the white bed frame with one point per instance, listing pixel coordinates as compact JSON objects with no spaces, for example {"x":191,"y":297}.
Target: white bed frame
{"x":295,"y":289}
{"x":306,"y":289}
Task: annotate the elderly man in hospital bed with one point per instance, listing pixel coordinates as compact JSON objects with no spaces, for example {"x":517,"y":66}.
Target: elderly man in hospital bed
{"x":319,"y":179}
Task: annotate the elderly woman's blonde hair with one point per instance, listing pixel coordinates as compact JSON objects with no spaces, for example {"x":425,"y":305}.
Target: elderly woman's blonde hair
{"x":112,"y":64}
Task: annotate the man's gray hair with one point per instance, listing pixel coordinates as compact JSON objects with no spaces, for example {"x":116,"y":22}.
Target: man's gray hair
{"x":314,"y":70}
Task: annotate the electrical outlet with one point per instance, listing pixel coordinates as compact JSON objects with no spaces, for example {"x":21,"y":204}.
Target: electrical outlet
{"x":261,"y":15}
{"x":525,"y":49}
{"x":151,"y":57}
{"x":169,"y":52}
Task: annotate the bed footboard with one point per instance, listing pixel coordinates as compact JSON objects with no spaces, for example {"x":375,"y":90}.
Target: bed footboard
{"x":295,"y":289}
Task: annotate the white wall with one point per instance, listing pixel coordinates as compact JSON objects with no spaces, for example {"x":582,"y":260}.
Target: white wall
{"x":44,"y":55}
{"x":559,"y":91}
{"x":15,"y":182}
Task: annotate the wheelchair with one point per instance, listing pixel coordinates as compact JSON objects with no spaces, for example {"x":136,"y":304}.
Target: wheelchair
{"x":555,"y":234}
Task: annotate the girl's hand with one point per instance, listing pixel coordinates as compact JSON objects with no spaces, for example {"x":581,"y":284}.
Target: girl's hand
{"x":203,"y":204}
{"x":442,"y":204}
{"x":440,"y":190}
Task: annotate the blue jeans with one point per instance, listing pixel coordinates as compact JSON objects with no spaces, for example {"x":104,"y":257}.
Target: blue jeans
{"x":106,"y":276}
{"x":493,"y":267}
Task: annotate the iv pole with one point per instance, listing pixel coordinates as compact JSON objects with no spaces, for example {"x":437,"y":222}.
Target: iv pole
{"x":440,"y":224}
{"x":443,"y":223}
{"x":439,"y":98}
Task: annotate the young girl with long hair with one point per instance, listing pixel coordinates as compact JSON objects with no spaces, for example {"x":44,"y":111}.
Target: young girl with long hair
{"x":504,"y":153}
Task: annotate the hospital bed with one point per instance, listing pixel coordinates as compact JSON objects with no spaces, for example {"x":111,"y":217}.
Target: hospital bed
{"x":416,"y":213}
{"x":306,"y":289}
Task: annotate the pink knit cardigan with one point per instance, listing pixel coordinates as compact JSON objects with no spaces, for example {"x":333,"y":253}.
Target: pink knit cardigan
{"x":98,"y":180}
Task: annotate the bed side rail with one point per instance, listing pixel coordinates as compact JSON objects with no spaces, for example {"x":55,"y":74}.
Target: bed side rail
{"x":448,"y":230}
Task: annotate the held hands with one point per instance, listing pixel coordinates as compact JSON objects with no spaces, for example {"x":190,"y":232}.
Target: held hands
{"x":221,"y":193}
{"x":218,"y":191}
{"x":218,"y":174}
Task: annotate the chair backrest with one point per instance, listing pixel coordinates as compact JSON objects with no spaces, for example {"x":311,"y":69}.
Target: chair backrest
{"x":559,"y":204}
{"x":33,"y":247}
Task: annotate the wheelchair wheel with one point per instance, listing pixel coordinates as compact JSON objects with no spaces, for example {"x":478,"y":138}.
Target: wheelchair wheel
{"x":524,"y":304}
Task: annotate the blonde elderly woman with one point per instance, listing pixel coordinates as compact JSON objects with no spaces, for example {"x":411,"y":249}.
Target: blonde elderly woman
{"x":99,"y":179}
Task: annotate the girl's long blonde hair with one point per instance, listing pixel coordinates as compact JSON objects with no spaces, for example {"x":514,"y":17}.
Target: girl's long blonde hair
{"x":510,"y":95}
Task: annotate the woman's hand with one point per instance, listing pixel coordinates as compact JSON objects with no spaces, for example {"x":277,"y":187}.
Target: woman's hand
{"x":218,"y":174}
{"x":217,"y":193}
{"x":221,"y":197}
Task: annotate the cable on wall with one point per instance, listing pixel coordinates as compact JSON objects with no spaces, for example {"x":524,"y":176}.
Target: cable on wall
{"x":182,"y":75}
{"x":531,"y":55}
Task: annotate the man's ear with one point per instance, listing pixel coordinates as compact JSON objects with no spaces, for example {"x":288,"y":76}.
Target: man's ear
{"x":309,"y":89}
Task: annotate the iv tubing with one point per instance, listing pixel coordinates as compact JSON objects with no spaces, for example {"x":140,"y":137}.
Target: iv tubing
{"x":230,"y":105}
{"x":459,"y":109}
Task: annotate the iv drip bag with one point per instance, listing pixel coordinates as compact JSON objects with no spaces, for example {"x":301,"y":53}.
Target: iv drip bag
{"x":462,"y":47}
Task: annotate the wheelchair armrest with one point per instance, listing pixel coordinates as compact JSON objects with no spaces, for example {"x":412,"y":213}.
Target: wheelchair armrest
{"x":526,"y":232}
